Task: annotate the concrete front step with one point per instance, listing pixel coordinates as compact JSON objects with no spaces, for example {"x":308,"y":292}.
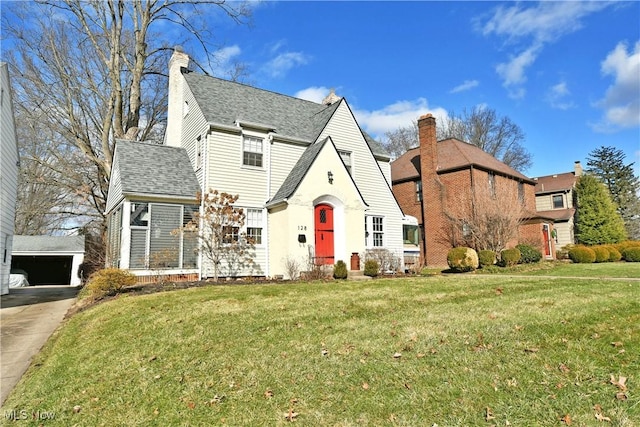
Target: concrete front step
{"x":357,"y":275}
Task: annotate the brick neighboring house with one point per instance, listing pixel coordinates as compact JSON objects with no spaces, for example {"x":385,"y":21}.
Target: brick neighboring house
{"x":555,"y":199}
{"x":430,"y":181}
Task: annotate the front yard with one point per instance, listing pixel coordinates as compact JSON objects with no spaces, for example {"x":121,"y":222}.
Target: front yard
{"x":483,"y":350}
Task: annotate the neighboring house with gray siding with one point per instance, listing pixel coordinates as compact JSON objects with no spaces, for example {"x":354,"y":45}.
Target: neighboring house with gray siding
{"x":9,"y":163}
{"x":555,"y":199}
{"x":310,"y":181}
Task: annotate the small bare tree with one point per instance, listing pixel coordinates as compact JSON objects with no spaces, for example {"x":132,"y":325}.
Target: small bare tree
{"x":218,"y":228}
{"x":485,"y":217}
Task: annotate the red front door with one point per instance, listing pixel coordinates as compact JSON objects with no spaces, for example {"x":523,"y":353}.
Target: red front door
{"x":324,"y":234}
{"x":547,"y":240}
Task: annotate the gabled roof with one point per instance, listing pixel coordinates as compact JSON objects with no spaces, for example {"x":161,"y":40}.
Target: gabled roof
{"x":225,"y":102}
{"x":299,"y":171}
{"x":453,"y":154}
{"x":555,"y":183}
{"x":48,"y":244}
{"x":153,"y":169}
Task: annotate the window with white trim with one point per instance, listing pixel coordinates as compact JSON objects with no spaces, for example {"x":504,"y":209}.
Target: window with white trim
{"x":558,"y":201}
{"x":254,"y":225}
{"x":252,"y":151}
{"x":374,"y":231}
{"x":346,"y":159}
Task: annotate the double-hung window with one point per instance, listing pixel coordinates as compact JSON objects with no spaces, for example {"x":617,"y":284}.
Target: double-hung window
{"x":252,"y":150}
{"x":558,"y":201}
{"x":254,"y":226}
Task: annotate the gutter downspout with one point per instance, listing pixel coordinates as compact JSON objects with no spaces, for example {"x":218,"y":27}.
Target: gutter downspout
{"x":266,"y":216}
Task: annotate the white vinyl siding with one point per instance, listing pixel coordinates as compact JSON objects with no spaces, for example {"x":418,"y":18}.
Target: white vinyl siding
{"x":368,"y":175}
{"x":283,"y":157}
{"x":8,"y":177}
{"x":194,"y":126}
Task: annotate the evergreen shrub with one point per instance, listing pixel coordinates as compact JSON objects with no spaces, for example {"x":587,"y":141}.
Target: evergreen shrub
{"x":340,"y":270}
{"x":631,"y":254}
{"x":486,"y":258}
{"x":528,"y":254}
{"x":582,"y":255}
{"x":614,"y":254}
{"x":371,"y":268}
{"x":509,"y":257}
{"x":602,"y":253}
{"x":109,"y":281}
{"x":462,"y":259}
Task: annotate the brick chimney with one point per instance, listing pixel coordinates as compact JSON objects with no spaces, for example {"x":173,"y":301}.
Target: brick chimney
{"x":577,"y":168}
{"x":176,"y":104}
{"x":435,"y":252}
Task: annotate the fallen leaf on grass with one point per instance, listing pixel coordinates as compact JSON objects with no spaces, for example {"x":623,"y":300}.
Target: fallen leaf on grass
{"x":77,"y":408}
{"x":620,"y":383}
{"x":365,"y":386}
{"x":397,"y":355}
{"x":600,"y":415}
{"x":291,"y":416}
{"x":268,"y":394}
{"x":621,"y":395}
{"x":617,"y":344}
{"x":566,"y":419}
{"x":498,"y":291}
{"x":531,"y":350}
{"x":563,"y":368}
{"x":191,"y":405}
{"x":489,"y":414}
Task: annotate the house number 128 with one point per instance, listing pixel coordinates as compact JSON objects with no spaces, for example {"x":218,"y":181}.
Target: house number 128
{"x":302,"y":228}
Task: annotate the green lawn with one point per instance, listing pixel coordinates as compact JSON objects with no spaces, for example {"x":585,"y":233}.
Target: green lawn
{"x":483,"y":350}
{"x":568,"y":269}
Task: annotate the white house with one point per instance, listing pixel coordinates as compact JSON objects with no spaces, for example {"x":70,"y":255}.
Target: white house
{"x":310,"y":181}
{"x":9,"y":161}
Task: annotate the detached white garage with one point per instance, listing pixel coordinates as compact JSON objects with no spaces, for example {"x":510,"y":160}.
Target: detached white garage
{"x":49,"y":260}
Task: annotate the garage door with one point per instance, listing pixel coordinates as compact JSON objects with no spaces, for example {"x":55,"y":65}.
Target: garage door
{"x":45,"y":270}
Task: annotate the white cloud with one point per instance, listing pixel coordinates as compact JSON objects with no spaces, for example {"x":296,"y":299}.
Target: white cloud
{"x":466,"y":85}
{"x":393,"y":116}
{"x":537,"y":26}
{"x":282,"y":63}
{"x":557,"y":96}
{"x":224,"y":60}
{"x":313,"y":93}
{"x":621,"y":101}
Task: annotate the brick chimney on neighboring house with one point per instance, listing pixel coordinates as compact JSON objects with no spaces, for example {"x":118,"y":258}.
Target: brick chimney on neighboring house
{"x":432,"y":192}
{"x":176,"y":104}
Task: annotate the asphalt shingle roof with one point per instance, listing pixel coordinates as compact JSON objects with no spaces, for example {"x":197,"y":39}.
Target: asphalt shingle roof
{"x":225,"y":102}
{"x":554,"y":183}
{"x":48,"y":244}
{"x":155,"y":169}
{"x":452,"y":154}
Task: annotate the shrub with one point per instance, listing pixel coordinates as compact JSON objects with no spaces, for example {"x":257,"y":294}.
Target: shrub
{"x":387,"y":260}
{"x":614,"y":254}
{"x":486,"y":258}
{"x":582,"y":255}
{"x":510,"y":257}
{"x":109,"y":281}
{"x":602,"y":253}
{"x":340,"y":270}
{"x":563,"y":252}
{"x":631,"y":254}
{"x":371,"y":268}
{"x":528,"y":254}
{"x":462,"y":259}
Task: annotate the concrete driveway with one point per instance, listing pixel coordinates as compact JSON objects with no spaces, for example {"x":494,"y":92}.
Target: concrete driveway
{"x":28,"y":317}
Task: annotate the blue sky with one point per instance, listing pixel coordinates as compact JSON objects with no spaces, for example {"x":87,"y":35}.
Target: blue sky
{"x":568,"y":73}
